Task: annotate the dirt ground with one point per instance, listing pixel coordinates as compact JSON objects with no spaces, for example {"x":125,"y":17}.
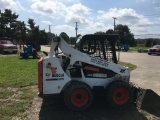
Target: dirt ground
{"x":53,"y":108}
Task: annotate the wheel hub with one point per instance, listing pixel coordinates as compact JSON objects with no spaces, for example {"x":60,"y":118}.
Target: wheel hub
{"x":120,"y":96}
{"x":79,"y":97}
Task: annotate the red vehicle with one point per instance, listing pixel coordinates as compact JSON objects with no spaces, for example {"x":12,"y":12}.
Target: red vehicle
{"x":6,"y":46}
{"x":154,"y":50}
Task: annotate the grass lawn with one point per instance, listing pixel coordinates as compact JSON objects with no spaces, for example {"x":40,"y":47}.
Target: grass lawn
{"x":129,"y":65}
{"x":18,"y":81}
{"x":17,"y":77}
{"x":135,"y":49}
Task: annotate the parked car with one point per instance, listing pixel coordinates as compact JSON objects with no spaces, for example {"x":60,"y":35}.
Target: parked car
{"x":154,"y":50}
{"x":6,"y":46}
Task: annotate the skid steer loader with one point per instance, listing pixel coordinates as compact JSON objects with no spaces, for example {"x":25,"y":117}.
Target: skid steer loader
{"x":81,"y":74}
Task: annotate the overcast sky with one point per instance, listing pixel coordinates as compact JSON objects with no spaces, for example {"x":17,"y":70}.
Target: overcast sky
{"x":141,"y":16}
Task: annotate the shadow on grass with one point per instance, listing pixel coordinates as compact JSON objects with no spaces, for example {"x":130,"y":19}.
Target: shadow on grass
{"x":53,"y":108}
{"x":29,"y":58}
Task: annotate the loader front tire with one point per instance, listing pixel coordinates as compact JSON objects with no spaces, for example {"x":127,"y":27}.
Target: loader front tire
{"x":119,"y":94}
{"x":78,"y":96}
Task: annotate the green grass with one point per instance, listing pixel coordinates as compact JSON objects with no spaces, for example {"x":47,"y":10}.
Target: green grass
{"x":17,"y":72}
{"x":18,"y":105}
{"x":135,"y":49}
{"x":18,"y":85}
{"x":129,"y":65}
{"x":16,"y":78}
{"x":5,"y":92}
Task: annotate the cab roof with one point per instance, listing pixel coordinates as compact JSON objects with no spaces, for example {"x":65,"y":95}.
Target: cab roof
{"x":112,"y":38}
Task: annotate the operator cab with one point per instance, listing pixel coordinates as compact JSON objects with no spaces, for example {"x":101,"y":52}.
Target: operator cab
{"x":102,"y":46}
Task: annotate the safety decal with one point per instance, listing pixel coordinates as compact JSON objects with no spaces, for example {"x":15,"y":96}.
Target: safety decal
{"x":99,"y":62}
{"x":54,"y":70}
{"x":56,"y":75}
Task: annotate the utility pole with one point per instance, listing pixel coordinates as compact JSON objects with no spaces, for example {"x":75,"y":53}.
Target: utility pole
{"x":114,"y":18}
{"x":50,"y":28}
{"x":49,"y":34}
{"x":76,"y":28}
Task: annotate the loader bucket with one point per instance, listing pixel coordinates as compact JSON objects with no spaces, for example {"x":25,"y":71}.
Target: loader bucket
{"x":146,"y":99}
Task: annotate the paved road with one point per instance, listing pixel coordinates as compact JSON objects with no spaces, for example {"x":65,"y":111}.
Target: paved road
{"x":147,"y":73}
{"x":44,"y":48}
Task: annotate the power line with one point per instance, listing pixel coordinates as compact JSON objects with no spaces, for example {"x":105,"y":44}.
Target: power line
{"x":151,"y":15}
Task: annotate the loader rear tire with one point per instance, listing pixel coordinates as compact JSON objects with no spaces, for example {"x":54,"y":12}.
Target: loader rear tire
{"x":78,"y":96}
{"x":119,"y":94}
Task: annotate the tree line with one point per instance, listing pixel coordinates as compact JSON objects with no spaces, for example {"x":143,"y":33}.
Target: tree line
{"x":20,"y":32}
{"x":125,"y":35}
{"x":148,"y":42}
{"x":11,"y":27}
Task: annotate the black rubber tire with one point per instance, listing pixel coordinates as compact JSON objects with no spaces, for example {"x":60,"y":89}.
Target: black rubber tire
{"x":78,"y":96}
{"x":119,"y":94}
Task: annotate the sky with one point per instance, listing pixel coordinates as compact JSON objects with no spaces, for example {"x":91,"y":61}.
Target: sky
{"x":141,"y":16}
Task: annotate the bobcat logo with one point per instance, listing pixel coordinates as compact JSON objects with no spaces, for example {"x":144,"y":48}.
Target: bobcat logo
{"x":54,"y":70}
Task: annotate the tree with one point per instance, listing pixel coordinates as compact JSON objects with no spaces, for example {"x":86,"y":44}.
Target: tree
{"x":43,"y":37}
{"x":10,"y":27}
{"x":6,"y":19}
{"x":17,"y":30}
{"x":20,"y":31}
{"x":148,"y":43}
{"x":65,"y":36}
{"x":110,"y":31}
{"x":99,"y":32}
{"x":31,"y":23}
{"x":50,"y":36}
{"x":73,"y":40}
{"x":154,"y":43}
{"x":33,"y":32}
{"x":125,"y":36}
{"x":79,"y":35}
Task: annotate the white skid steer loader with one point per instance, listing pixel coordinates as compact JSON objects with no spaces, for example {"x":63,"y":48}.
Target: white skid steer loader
{"x":80,"y":74}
